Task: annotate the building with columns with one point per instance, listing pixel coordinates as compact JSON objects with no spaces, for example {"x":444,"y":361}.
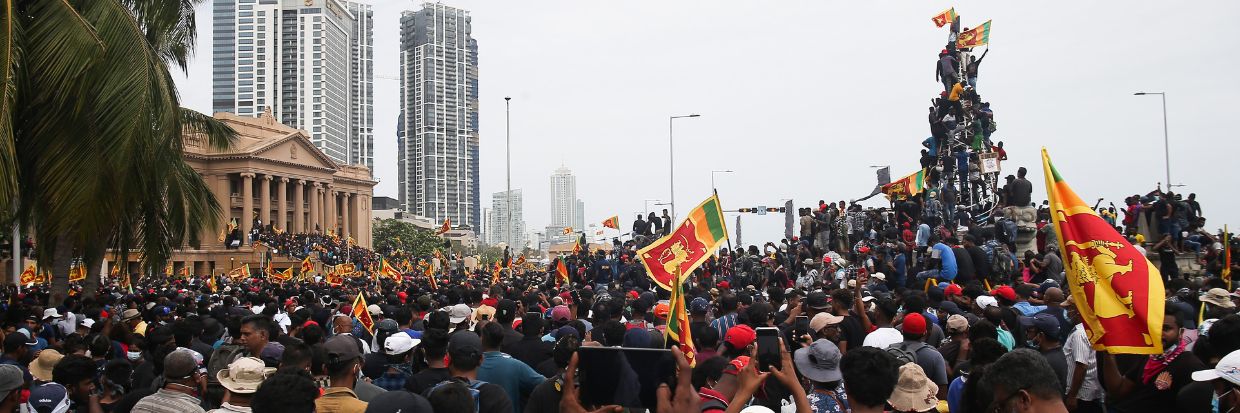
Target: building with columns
{"x":274,"y":176}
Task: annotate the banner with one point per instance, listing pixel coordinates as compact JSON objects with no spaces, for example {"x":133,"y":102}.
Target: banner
{"x":1118,"y":291}
{"x":686,"y":248}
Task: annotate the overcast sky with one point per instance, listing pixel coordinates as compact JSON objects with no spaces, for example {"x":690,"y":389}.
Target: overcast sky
{"x":800,"y":97}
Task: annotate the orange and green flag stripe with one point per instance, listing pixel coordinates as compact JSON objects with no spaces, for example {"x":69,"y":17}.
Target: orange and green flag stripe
{"x":708,"y":222}
{"x":976,"y":36}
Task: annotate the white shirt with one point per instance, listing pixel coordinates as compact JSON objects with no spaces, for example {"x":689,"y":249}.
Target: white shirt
{"x":882,"y":337}
{"x":1078,"y":350}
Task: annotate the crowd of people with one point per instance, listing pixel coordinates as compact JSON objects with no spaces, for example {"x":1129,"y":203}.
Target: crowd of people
{"x":915,"y":307}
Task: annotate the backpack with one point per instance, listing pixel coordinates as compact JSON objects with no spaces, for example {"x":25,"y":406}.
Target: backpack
{"x":475,"y":390}
{"x":903,"y":353}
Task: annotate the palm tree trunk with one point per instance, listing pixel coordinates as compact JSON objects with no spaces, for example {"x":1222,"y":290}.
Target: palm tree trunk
{"x":62,"y":258}
{"x":93,"y":260}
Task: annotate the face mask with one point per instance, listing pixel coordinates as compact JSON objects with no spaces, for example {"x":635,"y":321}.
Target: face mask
{"x":133,"y":355}
{"x":1031,"y":344}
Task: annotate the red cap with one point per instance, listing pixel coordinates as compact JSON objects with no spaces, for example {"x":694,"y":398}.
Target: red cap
{"x":633,"y":294}
{"x":742,"y":336}
{"x":490,"y":301}
{"x":404,"y":295}
{"x":567,"y":297}
{"x":1004,"y":291}
{"x":952,"y":289}
{"x":736,"y":365}
{"x":914,"y":324}
{"x":725,"y":284}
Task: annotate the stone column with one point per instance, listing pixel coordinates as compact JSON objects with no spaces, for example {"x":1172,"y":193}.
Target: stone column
{"x":282,"y":209}
{"x":299,"y":215}
{"x":316,"y":195}
{"x":333,"y":217}
{"x":264,"y":200}
{"x":344,"y":214}
{"x":247,"y":205}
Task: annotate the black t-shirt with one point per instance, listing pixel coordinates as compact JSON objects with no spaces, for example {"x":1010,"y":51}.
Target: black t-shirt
{"x":491,"y":397}
{"x":545,"y":398}
{"x":965,"y":270}
{"x":425,"y":379}
{"x":981,"y":264}
{"x":850,"y":331}
{"x":1146,"y":397}
{"x":531,"y":350}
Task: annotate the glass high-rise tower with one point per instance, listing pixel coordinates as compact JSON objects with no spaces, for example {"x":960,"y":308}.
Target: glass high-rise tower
{"x":309,"y":62}
{"x":437,"y":144}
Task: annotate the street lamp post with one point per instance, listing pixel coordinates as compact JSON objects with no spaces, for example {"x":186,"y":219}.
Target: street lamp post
{"x":508,"y":161}
{"x":671,"y":157}
{"x":647,"y":202}
{"x":1166,"y":140}
{"x":712,"y":178}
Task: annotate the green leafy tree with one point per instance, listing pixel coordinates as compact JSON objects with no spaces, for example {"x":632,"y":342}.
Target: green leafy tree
{"x":396,"y":237}
{"x":91,"y":131}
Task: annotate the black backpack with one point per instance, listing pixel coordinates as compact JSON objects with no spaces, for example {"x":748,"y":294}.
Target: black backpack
{"x":905,"y":352}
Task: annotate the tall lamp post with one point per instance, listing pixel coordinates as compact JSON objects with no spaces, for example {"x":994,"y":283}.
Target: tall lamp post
{"x":1166,"y":141}
{"x":508,"y":162}
{"x":671,"y":157}
{"x":712,"y":178}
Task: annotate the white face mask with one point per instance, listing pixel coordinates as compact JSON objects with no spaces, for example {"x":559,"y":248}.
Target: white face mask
{"x":133,"y":355}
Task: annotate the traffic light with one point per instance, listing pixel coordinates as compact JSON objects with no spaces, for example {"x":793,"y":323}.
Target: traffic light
{"x":749,"y":210}
{"x":780,"y":209}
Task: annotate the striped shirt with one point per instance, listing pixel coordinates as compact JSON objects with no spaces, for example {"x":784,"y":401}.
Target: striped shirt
{"x":722,"y":324}
{"x":165,"y":401}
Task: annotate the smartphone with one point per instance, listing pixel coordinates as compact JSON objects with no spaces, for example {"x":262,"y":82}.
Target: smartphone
{"x":768,"y":348}
{"x":626,"y":377}
{"x":800,"y":327}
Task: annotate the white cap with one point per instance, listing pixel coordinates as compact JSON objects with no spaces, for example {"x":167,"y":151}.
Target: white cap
{"x":374,"y":309}
{"x":984,"y":301}
{"x":399,"y":343}
{"x":458,"y":313}
{"x":1228,"y":369}
{"x":880,"y":276}
{"x":51,"y":313}
{"x":87,"y":322}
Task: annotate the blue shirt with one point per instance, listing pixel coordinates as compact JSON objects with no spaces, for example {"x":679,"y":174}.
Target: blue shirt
{"x":516,"y":377}
{"x":722,"y":324}
{"x":923,"y":235}
{"x":948,"y":258}
{"x":1028,"y":310}
{"x":954,"y":393}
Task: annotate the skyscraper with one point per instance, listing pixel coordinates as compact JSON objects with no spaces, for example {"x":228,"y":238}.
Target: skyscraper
{"x":307,"y":61}
{"x":437,"y":154}
{"x":498,"y":220}
{"x":563,"y":198}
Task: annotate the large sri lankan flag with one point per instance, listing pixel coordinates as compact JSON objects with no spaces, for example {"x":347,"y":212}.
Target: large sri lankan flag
{"x":907,"y":186}
{"x":678,"y":325}
{"x":1118,"y":291}
{"x":688,"y":246}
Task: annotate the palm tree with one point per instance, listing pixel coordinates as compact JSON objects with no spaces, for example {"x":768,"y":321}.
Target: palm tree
{"x":91,"y":130}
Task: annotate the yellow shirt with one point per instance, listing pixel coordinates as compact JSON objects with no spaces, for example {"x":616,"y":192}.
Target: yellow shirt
{"x":956,"y":90}
{"x":339,"y":400}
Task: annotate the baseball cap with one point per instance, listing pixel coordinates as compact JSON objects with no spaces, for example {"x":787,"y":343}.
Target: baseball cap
{"x":399,"y":344}
{"x":17,"y":339}
{"x":1042,"y":321}
{"x":244,"y":375}
{"x":952,"y":289}
{"x":398,"y":402}
{"x":10,"y":379}
{"x":914,"y":324}
{"x":458,"y":313}
{"x":48,"y":398}
{"x":464,"y":346}
{"x":87,"y":322}
{"x":740,"y":336}
{"x":736,"y":365}
{"x":822,"y":320}
{"x":505,"y":309}
{"x":1004,"y":291}
{"x":374,"y":309}
{"x":1227,"y":369}
{"x":560,"y":313}
{"x":956,"y":323}
{"x":341,"y":349}
{"x":661,"y":310}
{"x":699,"y":305}
{"x":817,"y":300}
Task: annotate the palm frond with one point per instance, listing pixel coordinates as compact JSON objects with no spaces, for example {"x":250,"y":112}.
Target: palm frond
{"x":217,"y":134}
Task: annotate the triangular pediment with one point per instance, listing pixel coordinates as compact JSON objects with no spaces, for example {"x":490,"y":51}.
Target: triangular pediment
{"x":295,"y":148}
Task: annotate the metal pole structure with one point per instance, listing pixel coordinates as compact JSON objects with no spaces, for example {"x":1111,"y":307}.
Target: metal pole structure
{"x":508,"y":155}
{"x":671,"y":158}
{"x":1166,"y":139}
{"x":712,"y":180}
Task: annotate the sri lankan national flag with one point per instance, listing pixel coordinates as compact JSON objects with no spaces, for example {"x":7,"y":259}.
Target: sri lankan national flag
{"x":678,"y":324}
{"x":976,"y":36}
{"x":346,"y":269}
{"x":1118,"y":292}
{"x":1226,"y":273}
{"x":688,"y":246}
{"x":429,"y":270}
{"x":945,"y":18}
{"x":561,"y":272}
{"x":387,"y":270}
{"x":239,"y":272}
{"x":306,"y":265}
{"x":613,"y":222}
{"x":361,"y":314}
{"x":495,"y":270}
{"x":447,"y":225}
{"x":333,"y":279}
{"x":77,"y":273}
{"x":30,"y":275}
{"x":907,"y":186}
{"x":212,"y":284}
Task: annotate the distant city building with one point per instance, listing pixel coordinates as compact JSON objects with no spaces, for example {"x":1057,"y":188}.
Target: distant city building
{"x":309,"y":62}
{"x":380,"y":203}
{"x":564,"y":200}
{"x":580,"y":223}
{"x":437,"y":136}
{"x":498,"y":229}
